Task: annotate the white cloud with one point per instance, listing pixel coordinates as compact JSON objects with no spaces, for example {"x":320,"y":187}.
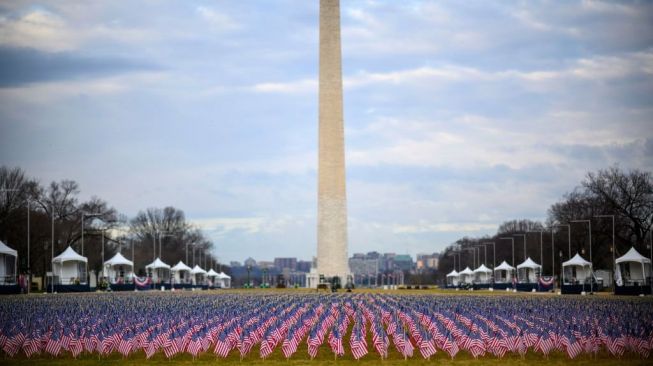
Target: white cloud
{"x":38,"y":29}
{"x":598,"y":68}
{"x":216,"y":20}
{"x":432,"y":227}
{"x":299,"y":86}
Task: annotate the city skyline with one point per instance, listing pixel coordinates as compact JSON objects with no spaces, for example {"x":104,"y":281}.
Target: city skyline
{"x":459,"y":116}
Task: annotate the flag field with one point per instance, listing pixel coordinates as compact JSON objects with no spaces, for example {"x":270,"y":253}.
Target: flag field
{"x":292,"y":327}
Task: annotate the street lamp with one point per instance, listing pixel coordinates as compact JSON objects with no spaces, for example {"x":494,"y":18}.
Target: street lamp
{"x":541,"y":251}
{"x":612,"y":249}
{"x":249,"y":269}
{"x":523,"y":236}
{"x":86,"y":214}
{"x":512,"y":240}
{"x":568,"y":238}
{"x":161,"y":235}
{"x":52,"y":248}
{"x":589,"y":222}
{"x":494,"y":254}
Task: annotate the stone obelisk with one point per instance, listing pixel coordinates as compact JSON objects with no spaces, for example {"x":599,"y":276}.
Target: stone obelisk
{"x":332,"y":194}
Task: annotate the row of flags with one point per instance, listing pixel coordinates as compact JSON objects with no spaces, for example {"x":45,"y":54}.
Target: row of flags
{"x":360,"y":325}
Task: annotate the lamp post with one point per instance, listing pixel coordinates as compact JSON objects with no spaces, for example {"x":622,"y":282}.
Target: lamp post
{"x":541,"y":251}
{"x":523,"y":236}
{"x":494,"y":253}
{"x":612,"y":248}
{"x":154,"y":245}
{"x":568,"y":238}
{"x":249,"y":269}
{"x":650,"y":268}
{"x":52,"y":254}
{"x":512,"y":240}
{"x":86,"y":214}
{"x":161,"y":235}
{"x":589,"y":222}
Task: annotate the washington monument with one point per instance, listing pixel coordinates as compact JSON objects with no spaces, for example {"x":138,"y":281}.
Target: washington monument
{"x":332,"y":193}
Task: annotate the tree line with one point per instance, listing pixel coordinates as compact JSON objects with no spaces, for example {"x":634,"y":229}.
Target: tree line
{"x":50,"y":218}
{"x":603,"y":196}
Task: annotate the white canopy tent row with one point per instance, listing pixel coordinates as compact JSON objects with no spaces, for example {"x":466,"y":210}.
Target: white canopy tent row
{"x":70,"y":267}
{"x":8,"y":264}
{"x":212,"y":276}
{"x":506,"y":273}
{"x":119,"y":269}
{"x":225,"y":280}
{"x":453,"y":278}
{"x":528,"y":271}
{"x":482,"y":274}
{"x":181,"y":273}
{"x":576,"y":271}
{"x":632,"y":269}
{"x":466,"y":275}
{"x":158,"y":271}
{"x":198,"y":275}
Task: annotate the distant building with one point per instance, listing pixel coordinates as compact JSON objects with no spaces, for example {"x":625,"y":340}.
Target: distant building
{"x":427,"y":261}
{"x":363,"y":266}
{"x":373,"y":255}
{"x":265,"y":264}
{"x":283,"y":263}
{"x":403,"y":262}
{"x":235,"y":264}
{"x":303,"y":266}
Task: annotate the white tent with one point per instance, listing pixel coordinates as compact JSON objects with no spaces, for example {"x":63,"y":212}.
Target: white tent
{"x":466,"y":275}
{"x":452,"y":278}
{"x":119,"y":269}
{"x":158,"y":270}
{"x":225,"y":280}
{"x":198,"y":275}
{"x":505,"y":273}
{"x":633,"y":267}
{"x":482,"y":274}
{"x":576,"y":270}
{"x":528,"y":271}
{"x":181,"y":273}
{"x":70,"y":267}
{"x":212,"y":275}
{"x":8,"y":264}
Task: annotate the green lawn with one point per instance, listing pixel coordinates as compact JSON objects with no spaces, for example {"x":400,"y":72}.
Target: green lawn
{"x":325,"y":357}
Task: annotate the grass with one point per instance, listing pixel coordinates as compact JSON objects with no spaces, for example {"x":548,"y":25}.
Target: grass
{"x":325,"y":357}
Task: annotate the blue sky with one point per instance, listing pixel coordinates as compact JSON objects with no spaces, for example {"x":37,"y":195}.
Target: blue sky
{"x":459,"y":115}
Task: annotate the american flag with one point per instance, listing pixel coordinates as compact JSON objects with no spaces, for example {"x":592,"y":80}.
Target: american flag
{"x":195,"y":323}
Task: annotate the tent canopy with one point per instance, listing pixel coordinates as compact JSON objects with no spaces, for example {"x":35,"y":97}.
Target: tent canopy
{"x":633,"y":256}
{"x":157,"y":264}
{"x":180,"y":267}
{"x":223,"y":275}
{"x":577,"y":260}
{"x":482,"y":269}
{"x":453,"y":274}
{"x":528,"y":263}
{"x":197,"y":270}
{"x":118,"y":260}
{"x":504,"y":267}
{"x":4,"y":249}
{"x":212,"y":273}
{"x":69,"y":255}
{"x":466,"y":271}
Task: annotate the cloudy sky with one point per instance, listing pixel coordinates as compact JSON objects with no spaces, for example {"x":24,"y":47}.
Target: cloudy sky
{"x":459,"y":115}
